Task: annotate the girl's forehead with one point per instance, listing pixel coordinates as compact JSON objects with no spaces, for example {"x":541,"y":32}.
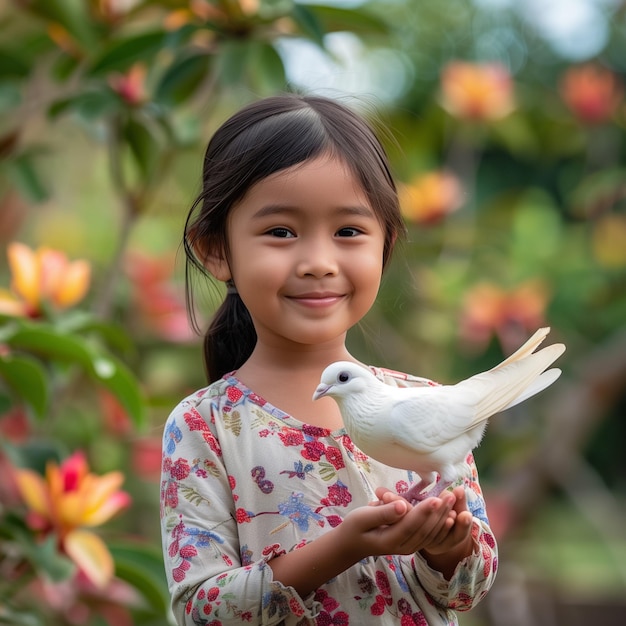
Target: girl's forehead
{"x":321,"y":185}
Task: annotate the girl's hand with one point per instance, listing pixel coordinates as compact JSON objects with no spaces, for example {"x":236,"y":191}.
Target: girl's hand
{"x":454,"y":541}
{"x":393,"y":526}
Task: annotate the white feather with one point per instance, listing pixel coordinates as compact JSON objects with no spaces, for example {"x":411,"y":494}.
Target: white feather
{"x":431,"y":430}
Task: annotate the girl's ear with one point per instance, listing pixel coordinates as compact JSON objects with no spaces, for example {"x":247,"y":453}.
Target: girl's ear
{"x":215,"y":263}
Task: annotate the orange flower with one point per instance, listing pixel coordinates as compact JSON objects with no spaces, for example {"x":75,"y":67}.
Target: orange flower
{"x":431,"y":196}
{"x":592,"y":93}
{"x":477,"y":92}
{"x":40,"y":277}
{"x":489,"y":309}
{"x":69,"y":498}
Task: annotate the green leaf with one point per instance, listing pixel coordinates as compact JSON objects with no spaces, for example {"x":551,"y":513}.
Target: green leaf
{"x":266,"y":70}
{"x":73,"y":15}
{"x":48,"y":560}
{"x":90,"y":105}
{"x":357,"y":21}
{"x":84,"y":322}
{"x":17,"y":617}
{"x":12,"y":66}
{"x":254,"y":63}
{"x":143,"y":144}
{"x":104,"y":368}
{"x":309,"y":23}
{"x":231,"y":62}
{"x":26,"y":377}
{"x":44,"y":556}
{"x":142,"y":567}
{"x":182,"y":78}
{"x":125,"y":52}
{"x":5,"y":403}
{"x":35,"y":454}
{"x":27,"y":179}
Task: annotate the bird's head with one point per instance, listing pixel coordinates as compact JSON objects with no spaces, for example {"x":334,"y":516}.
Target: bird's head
{"x":342,"y":379}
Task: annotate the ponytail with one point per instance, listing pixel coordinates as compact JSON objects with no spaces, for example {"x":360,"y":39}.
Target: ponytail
{"x":230,"y":338}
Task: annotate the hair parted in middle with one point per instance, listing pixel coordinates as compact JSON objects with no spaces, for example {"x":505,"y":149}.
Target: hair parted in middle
{"x":261,"y":139}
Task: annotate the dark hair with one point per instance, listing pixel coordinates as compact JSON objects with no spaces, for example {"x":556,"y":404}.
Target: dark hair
{"x":265,"y":137}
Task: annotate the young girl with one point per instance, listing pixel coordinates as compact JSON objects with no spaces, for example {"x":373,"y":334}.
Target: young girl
{"x":270,"y":514}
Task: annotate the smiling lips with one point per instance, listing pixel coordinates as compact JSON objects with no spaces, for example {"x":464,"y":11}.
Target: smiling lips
{"x":317,"y":299}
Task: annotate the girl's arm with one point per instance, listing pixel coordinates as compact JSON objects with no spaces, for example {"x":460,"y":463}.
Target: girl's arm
{"x":460,"y":571}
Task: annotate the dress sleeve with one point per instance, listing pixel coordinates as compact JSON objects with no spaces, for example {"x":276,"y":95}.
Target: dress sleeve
{"x":207,"y":580}
{"x":475,"y":574}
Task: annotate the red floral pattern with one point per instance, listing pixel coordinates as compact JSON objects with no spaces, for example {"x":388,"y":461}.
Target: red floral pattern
{"x":243,"y":482}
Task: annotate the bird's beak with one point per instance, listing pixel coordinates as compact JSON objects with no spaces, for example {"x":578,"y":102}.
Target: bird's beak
{"x":321,"y":390}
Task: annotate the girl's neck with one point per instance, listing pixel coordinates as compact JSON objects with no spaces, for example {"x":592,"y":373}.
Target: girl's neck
{"x":288,"y":379}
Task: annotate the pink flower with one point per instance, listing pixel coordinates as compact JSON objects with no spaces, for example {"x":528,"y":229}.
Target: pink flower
{"x":68,"y":499}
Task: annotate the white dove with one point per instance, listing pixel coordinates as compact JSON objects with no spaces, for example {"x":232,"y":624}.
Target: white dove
{"x":432,"y":429}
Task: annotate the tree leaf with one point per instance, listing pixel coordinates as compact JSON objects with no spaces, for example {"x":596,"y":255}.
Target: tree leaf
{"x":143,"y":144}
{"x":101,"y":366}
{"x":12,"y":66}
{"x":309,"y":23}
{"x":182,"y":78}
{"x":231,"y":62}
{"x":334,"y":19}
{"x":90,"y":105}
{"x":73,"y":15}
{"x":123,"y":53}
{"x":27,"y":178}
{"x":266,"y":70}
{"x":142,"y":567}
{"x":26,"y":377}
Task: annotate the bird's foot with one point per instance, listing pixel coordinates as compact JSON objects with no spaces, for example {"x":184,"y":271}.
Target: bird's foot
{"x":416,"y":493}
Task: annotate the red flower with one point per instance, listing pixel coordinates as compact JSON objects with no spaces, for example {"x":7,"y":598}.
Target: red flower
{"x":591,"y":92}
{"x":334,"y":457}
{"x":378,"y":608}
{"x":291,"y":437}
{"x":313,"y":450}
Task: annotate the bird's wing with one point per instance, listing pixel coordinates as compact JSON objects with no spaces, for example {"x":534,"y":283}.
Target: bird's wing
{"x":433,"y":416}
{"x":425,"y":420}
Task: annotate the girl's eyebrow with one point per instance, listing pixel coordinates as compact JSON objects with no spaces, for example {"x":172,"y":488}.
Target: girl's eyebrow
{"x":275,"y":209}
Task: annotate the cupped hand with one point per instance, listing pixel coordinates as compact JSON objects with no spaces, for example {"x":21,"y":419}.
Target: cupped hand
{"x":393,"y":526}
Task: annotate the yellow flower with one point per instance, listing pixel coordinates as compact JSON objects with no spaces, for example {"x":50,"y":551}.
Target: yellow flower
{"x":69,"y":498}
{"x":43,"y":276}
{"x":430,"y":197}
{"x":477,"y":92}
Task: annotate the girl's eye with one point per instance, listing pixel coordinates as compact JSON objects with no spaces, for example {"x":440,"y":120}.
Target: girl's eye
{"x":283,"y":233}
{"x":348,"y":231}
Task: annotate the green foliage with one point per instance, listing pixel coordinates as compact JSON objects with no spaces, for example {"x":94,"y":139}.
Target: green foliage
{"x":139,"y":89}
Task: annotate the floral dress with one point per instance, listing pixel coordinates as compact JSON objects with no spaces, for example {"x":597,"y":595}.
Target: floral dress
{"x":243,"y":482}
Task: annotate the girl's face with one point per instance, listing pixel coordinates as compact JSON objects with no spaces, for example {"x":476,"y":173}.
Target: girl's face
{"x":306,"y":254}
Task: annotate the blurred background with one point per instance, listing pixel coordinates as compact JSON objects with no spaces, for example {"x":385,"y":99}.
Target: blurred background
{"x":506,"y":124}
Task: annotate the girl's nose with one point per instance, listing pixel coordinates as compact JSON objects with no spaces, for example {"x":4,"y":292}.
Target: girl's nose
{"x":317,"y":259}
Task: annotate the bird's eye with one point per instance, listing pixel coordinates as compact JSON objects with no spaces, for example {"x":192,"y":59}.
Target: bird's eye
{"x":343,"y":377}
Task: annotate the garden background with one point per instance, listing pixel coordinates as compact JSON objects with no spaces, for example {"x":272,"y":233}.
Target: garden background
{"x":506,"y":126}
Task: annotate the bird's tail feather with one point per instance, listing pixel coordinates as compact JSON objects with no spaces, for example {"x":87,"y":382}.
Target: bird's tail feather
{"x":527,"y":348}
{"x":507,"y":385}
{"x":541,"y":383}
